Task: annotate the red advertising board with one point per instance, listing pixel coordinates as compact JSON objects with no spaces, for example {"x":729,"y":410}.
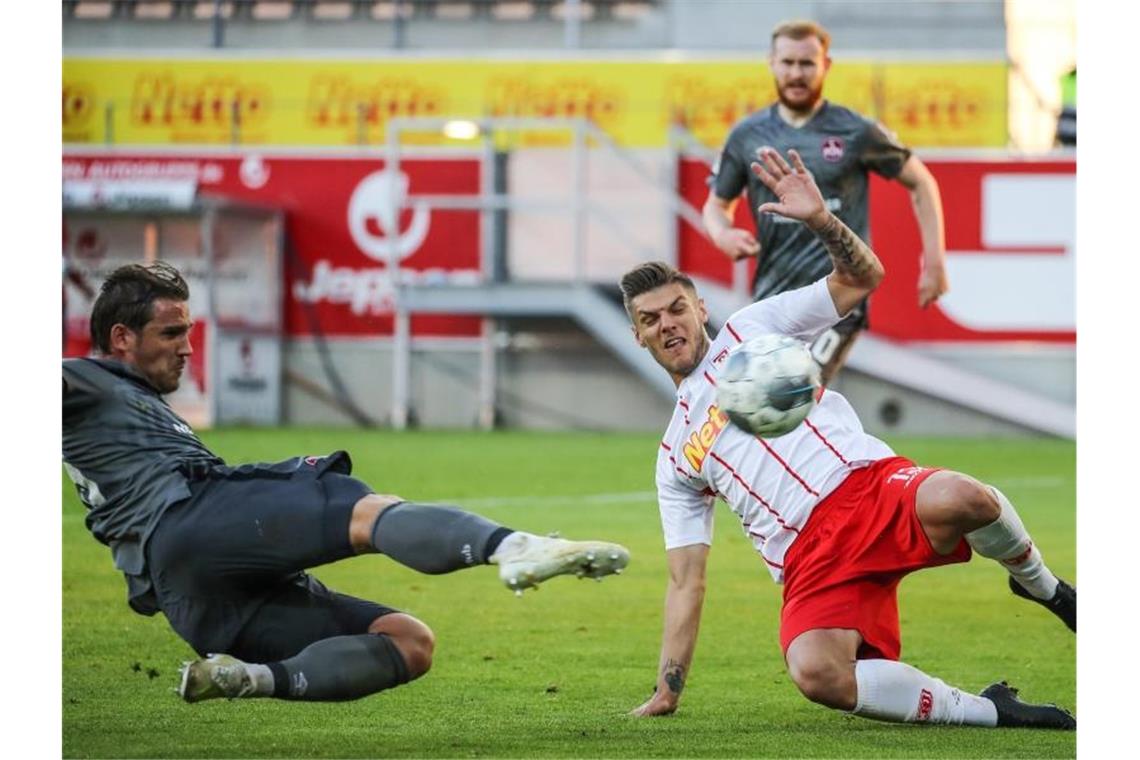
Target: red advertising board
{"x":339,"y":240}
{"x":1010,"y":250}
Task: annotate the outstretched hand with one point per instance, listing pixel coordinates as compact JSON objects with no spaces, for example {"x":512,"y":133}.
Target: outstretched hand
{"x":737,"y":243}
{"x":932,"y":285}
{"x":799,"y":197}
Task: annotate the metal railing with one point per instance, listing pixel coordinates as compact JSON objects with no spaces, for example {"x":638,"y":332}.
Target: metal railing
{"x":585,"y":137}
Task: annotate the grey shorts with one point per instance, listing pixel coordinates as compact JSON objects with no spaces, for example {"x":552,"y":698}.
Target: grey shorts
{"x":228,"y":563}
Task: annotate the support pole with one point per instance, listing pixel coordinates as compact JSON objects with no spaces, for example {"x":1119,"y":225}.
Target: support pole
{"x":578,"y":202}
{"x":235,"y":122}
{"x":109,"y":123}
{"x":402,"y":327}
{"x":218,"y":27}
{"x":488,"y":237}
{"x":572,"y":30}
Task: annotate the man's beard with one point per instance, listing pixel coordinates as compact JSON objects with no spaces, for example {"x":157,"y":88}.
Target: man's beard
{"x":800,"y":106}
{"x":700,"y":348}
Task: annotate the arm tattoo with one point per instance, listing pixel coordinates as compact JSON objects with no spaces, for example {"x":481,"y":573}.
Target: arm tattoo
{"x":851,"y":257}
{"x":675,"y":676}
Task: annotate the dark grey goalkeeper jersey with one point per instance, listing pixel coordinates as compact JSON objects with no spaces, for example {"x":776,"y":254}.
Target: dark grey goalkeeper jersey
{"x":838,"y":147}
{"x":126,"y":451}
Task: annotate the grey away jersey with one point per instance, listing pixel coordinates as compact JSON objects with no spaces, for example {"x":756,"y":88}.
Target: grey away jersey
{"x":838,"y":146}
{"x":123,"y":446}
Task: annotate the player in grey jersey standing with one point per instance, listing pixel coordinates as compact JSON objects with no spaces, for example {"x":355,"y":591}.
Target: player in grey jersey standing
{"x":222,"y":551}
{"x":838,"y":147}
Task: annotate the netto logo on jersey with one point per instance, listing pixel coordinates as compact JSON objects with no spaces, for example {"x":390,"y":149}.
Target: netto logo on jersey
{"x":700,"y":442}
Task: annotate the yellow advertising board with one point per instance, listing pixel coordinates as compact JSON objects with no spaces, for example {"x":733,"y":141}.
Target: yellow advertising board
{"x":348,"y":102}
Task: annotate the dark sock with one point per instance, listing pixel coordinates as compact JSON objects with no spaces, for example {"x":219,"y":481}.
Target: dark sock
{"x":435,"y":539}
{"x":494,"y":541}
{"x":340,"y":668}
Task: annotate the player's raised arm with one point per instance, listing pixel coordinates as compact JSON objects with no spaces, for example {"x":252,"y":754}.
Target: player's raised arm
{"x":857,"y":270}
{"x":683,"y":602}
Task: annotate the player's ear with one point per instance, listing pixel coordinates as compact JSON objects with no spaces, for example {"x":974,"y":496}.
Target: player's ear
{"x":703,"y":311}
{"x":123,"y":340}
{"x":637,"y":335}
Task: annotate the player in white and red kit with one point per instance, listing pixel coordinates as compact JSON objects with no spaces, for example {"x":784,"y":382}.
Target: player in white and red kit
{"x":837,"y":517}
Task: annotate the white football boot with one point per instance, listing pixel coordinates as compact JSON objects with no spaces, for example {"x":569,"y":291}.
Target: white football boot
{"x":215,"y":677}
{"x":526,"y":560}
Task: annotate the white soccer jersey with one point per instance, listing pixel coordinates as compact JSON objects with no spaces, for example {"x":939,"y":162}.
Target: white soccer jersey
{"x":771,"y":484}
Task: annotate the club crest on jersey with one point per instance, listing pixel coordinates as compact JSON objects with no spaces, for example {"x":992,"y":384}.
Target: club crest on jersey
{"x":832,"y":149}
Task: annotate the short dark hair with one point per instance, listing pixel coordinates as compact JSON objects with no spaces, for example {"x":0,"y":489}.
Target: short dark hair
{"x":801,"y":29}
{"x":127,"y":297}
{"x":650,"y":276}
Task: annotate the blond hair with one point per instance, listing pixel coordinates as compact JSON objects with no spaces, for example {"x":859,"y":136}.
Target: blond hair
{"x":801,"y":29}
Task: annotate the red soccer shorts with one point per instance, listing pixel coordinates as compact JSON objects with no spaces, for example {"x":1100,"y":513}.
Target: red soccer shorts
{"x":844,"y":569}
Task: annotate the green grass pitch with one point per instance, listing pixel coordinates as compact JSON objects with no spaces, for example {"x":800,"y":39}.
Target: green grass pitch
{"x":554,"y":673}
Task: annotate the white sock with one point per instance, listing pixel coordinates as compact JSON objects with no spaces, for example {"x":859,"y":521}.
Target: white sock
{"x":512,"y":543}
{"x":1006,"y":540}
{"x":896,"y":692}
{"x":262,"y":679}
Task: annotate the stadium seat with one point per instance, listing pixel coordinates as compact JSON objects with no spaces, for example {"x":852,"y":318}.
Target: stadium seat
{"x":93,"y":10}
{"x":204,"y":9}
{"x":273,"y":10}
{"x":161,"y":11}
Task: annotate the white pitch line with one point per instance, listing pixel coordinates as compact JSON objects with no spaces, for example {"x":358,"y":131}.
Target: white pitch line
{"x":625,"y":497}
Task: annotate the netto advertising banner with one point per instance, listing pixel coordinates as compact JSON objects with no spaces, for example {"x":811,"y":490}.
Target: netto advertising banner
{"x":346,"y":102}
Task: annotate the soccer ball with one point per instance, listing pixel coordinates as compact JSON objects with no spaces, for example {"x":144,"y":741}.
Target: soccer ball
{"x":768,"y":385}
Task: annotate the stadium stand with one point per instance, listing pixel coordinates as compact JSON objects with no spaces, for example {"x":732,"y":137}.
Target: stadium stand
{"x":707,"y":25}
{"x":608,"y":214}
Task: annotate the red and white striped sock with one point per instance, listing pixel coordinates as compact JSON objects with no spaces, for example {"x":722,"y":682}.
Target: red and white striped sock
{"x":896,"y":692}
{"x":1007,"y":541}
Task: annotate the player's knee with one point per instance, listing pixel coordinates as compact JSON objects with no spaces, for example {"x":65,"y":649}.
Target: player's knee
{"x":364,"y":515}
{"x":377,"y":502}
{"x":975,"y":503}
{"x":957,"y":502}
{"x":412,"y":637}
{"x":418,"y":650}
{"x":825,"y":682}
